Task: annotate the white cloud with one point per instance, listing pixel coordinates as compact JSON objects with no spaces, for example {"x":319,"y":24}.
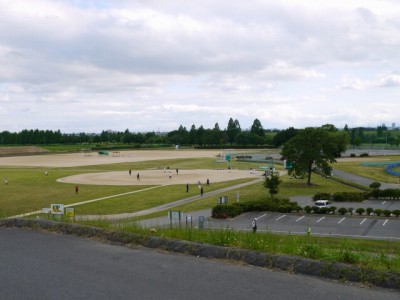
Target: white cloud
{"x":156,"y":64}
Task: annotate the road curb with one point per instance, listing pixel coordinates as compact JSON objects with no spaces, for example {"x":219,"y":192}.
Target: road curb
{"x":298,"y":265}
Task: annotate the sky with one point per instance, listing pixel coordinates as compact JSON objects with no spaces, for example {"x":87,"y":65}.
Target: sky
{"x":88,"y":66}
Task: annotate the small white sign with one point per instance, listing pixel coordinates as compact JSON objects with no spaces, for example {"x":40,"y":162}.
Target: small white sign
{"x":57,"y":209}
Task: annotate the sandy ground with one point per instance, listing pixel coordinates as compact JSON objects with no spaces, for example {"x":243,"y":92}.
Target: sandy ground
{"x":159,"y":177}
{"x":147,"y":177}
{"x":80,"y":159}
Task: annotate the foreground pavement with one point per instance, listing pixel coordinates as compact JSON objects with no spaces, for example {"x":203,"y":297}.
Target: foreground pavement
{"x":39,"y":265}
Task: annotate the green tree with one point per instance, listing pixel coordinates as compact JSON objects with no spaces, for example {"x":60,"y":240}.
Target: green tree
{"x":233,"y":130}
{"x":257,"y":128}
{"x":272,"y":184}
{"x":314,"y":147}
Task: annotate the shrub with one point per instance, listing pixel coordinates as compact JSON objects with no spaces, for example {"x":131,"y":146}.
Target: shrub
{"x":297,"y":208}
{"x":332,"y":209}
{"x":307,"y":209}
{"x":347,"y":196}
{"x":369,"y":210}
{"x":321,"y":196}
{"x":378,"y":211}
{"x":360,"y":211}
{"x":352,"y":155}
{"x":350,"y":210}
{"x":342,"y":210}
{"x":364,"y":154}
{"x":315,"y":209}
{"x":387,"y":212}
{"x":396,"y":212}
{"x":375,"y":185}
{"x":323,"y":210}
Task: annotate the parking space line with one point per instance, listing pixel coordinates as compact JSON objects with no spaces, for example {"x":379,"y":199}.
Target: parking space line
{"x":280,"y":217}
{"x":261,"y":216}
{"x":320,"y":219}
{"x":363,"y":221}
{"x":341,"y":221}
{"x":300,"y":218}
{"x":383,"y":202}
{"x":384,"y":223}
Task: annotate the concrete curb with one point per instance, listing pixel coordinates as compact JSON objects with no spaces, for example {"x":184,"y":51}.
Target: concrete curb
{"x":336,"y":271}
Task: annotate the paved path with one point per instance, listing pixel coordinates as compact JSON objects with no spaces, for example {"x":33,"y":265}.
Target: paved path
{"x":362,"y":180}
{"x":167,"y":205}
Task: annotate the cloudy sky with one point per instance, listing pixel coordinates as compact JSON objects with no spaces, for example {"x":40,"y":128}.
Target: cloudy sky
{"x":87,"y":66}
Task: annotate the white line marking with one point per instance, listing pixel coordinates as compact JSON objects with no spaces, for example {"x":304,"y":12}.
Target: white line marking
{"x":383,"y":202}
{"x":300,"y":218}
{"x":320,"y":219}
{"x":341,"y":221}
{"x":363,"y":221}
{"x":384,"y":223}
{"x":280,"y":217}
{"x":261,"y":216}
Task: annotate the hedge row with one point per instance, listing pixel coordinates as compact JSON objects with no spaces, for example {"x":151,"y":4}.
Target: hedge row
{"x":223,"y":211}
{"x":391,"y":194}
{"x":343,"y":210}
{"x":343,"y":196}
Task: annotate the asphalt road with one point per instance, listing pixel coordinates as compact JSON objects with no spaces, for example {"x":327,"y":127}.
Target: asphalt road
{"x":38,"y":265}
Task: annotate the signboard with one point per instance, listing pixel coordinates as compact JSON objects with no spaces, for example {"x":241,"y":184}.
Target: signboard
{"x":201,"y":222}
{"x":70,"y":212}
{"x":223,"y":200}
{"x":57,"y":209}
{"x":175,"y":215}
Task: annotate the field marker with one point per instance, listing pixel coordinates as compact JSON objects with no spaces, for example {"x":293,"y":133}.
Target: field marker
{"x":363,"y":221}
{"x":280,"y":217}
{"x":341,"y":220}
{"x":300,"y":218}
{"x":384,"y":223}
{"x":320,"y":219}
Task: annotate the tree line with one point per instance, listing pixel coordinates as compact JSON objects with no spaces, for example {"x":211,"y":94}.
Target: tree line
{"x":232,"y":135}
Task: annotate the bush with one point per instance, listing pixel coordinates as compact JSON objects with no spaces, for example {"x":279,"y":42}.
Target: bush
{"x":323,"y":210}
{"x":332,"y":209}
{"x":375,"y":185}
{"x":342,"y":210}
{"x":360,"y":211}
{"x":387,"y":213}
{"x":350,"y":210}
{"x":351,"y":197}
{"x":369,"y":210}
{"x":315,"y":209}
{"x":364,"y":154}
{"x":352,"y":155}
{"x":396,"y":212}
{"x":307,"y":209}
{"x":322,"y":196}
{"x":378,"y":211}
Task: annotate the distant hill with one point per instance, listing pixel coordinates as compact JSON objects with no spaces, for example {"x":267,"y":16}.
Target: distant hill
{"x":23,"y":150}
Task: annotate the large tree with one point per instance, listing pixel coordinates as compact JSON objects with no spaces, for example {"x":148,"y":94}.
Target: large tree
{"x":314,"y":147}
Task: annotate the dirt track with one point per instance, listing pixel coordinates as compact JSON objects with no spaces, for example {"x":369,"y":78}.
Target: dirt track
{"x":147,"y":177}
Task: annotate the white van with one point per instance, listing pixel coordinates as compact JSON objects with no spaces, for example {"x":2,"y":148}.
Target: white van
{"x":322,"y":203}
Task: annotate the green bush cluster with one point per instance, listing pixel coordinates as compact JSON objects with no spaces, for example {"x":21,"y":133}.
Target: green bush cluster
{"x":222,"y":211}
{"x":343,"y":210}
{"x":342,"y":196}
{"x":392,"y":194}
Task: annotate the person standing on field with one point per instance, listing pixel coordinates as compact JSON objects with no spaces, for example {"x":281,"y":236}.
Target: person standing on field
{"x":76,"y":189}
{"x":254,"y":225}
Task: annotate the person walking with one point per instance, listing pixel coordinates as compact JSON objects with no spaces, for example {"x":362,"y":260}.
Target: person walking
{"x":201,"y":191}
{"x":130,"y":172}
{"x":177,"y":171}
{"x":138,"y":177}
{"x":187,"y":187}
{"x":208,"y":182}
{"x":76,"y":189}
{"x":254,"y":225}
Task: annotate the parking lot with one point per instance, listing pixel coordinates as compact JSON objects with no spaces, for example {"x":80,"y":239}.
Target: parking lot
{"x":355,"y":226}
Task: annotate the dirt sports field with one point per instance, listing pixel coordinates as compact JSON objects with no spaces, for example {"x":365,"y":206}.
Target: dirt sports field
{"x":147,"y":177}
